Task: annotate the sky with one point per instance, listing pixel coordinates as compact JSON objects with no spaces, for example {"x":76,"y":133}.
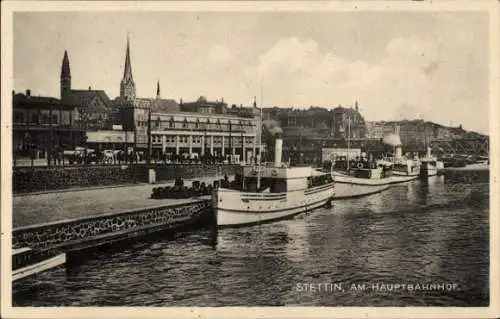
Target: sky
{"x":397,"y":65}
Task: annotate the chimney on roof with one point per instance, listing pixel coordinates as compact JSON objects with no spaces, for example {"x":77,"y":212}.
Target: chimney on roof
{"x":90,"y":88}
{"x":28,"y":92}
{"x":180,"y":101}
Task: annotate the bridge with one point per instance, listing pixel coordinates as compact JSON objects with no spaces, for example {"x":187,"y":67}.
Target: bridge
{"x":476,"y":145}
{"x":466,"y":146}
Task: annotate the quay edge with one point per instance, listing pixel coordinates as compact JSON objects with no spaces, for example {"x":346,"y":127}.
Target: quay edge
{"x":88,"y":233}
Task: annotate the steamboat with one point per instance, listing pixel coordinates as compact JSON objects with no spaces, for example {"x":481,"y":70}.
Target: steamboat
{"x":430,"y":165}
{"x":362,"y":176}
{"x":267,"y":192}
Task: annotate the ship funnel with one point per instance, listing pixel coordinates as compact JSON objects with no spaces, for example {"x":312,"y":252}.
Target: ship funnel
{"x":278,"y":149}
{"x":399,"y":152}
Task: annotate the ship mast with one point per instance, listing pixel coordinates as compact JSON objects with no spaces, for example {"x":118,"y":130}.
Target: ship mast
{"x":260,"y":150}
{"x":260,"y":137}
{"x":348,"y":140}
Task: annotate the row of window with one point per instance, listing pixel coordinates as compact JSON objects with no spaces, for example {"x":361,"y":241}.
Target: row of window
{"x":198,"y":139}
{"x":186,"y":125}
{"x":43,"y":117}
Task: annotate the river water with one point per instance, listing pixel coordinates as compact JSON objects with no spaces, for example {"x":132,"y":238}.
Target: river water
{"x":431,"y":236}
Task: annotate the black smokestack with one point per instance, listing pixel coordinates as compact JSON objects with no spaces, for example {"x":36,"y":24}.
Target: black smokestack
{"x":273,"y":127}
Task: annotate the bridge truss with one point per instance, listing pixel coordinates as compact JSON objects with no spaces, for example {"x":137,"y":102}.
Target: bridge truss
{"x":472,"y":146}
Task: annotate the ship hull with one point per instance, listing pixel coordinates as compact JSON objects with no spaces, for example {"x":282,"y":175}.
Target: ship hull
{"x":237,"y":209}
{"x":347,"y":189}
{"x":405,"y":174}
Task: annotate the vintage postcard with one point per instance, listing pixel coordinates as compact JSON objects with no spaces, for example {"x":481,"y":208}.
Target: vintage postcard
{"x":315,"y":159}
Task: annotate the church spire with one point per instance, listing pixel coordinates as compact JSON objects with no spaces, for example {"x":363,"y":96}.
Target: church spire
{"x":158,"y":90}
{"x":65,"y":76}
{"x":127,"y":73}
{"x":127,"y":86}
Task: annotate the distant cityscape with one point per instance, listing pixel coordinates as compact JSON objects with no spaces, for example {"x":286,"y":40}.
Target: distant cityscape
{"x":164,"y":128}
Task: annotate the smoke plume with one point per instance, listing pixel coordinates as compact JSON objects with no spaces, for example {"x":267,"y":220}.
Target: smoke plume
{"x":392,"y":140}
{"x":273,"y":127}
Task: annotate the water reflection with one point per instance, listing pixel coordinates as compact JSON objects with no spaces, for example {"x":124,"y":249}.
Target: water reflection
{"x":296,"y":248}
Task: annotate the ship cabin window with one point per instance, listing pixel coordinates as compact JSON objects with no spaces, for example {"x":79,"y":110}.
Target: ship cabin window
{"x":278,"y":185}
{"x":315,"y":181}
{"x":272,"y":185}
{"x":237,"y":184}
{"x":250,"y":184}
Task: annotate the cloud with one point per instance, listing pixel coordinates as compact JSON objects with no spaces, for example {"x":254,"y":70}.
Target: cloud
{"x":410,"y":81}
{"x":413,"y":78}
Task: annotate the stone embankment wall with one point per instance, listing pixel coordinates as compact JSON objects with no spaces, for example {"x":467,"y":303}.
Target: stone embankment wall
{"x":92,"y":231}
{"x":37,"y":179}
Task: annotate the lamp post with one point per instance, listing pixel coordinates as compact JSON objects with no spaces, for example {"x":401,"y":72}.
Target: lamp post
{"x":125,"y":129}
{"x":205,"y":156}
{"x":149,"y":137}
{"x":49,"y":148}
{"x":230,"y":141}
{"x":242,"y":144}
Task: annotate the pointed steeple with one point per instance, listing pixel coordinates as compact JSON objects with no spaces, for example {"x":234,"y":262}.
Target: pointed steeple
{"x":127,"y":86}
{"x":65,"y":76}
{"x":127,"y":73}
{"x":65,"y":71}
{"x":158,"y":90}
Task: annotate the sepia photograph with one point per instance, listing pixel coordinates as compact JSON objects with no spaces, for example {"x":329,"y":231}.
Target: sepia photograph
{"x":279,"y":155}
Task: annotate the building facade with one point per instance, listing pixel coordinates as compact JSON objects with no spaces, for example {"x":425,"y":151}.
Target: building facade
{"x":194,"y":135}
{"x":348,"y":123}
{"x":306,"y":132}
{"x":43,"y":125}
{"x":204,"y":106}
{"x":188,"y":129}
{"x":155,"y":125}
{"x":92,"y":108}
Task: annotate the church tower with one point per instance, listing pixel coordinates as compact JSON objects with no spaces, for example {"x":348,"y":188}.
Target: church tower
{"x":127,"y":85}
{"x":65,"y":76}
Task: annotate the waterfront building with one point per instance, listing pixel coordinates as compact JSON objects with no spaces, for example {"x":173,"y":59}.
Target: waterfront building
{"x":194,"y":135}
{"x":92,"y":108}
{"x":187,"y":129}
{"x":377,"y":130}
{"x":307,"y":131}
{"x":204,"y":106}
{"x":156,"y":125}
{"x":42,"y":125}
{"x":348,"y":123}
